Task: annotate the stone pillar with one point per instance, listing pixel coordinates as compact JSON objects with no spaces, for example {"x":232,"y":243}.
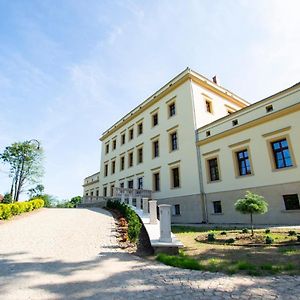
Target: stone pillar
{"x":165,"y":223}
{"x":138,"y":202}
{"x":130,"y":199}
{"x":122,"y":197}
{"x":145,"y":205}
{"x":153,"y":211}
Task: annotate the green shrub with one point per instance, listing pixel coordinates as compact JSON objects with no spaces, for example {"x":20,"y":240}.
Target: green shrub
{"x":267,"y":231}
{"x":245,"y":230}
{"x":134,"y":223}
{"x":13,"y":209}
{"x":211,"y":237}
{"x":292,"y":233}
{"x":230,"y":241}
{"x":269,"y":240}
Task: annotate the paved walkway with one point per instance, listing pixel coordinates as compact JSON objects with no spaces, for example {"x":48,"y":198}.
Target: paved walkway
{"x":72,"y":254}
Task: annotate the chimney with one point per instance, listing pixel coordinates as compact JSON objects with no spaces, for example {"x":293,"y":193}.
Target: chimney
{"x":215,"y":80}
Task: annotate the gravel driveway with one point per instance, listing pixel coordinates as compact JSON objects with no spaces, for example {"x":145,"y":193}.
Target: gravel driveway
{"x":72,"y":254}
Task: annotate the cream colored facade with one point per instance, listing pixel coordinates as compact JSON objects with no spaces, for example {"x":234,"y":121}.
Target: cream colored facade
{"x":197,"y":101}
{"x":91,"y":185}
{"x":258,"y":127}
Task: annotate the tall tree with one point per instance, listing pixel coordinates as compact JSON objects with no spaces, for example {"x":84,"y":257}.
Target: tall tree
{"x":25,"y":161}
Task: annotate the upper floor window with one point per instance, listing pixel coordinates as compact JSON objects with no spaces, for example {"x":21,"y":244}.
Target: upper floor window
{"x":172,"y":109}
{"x":291,"y":202}
{"x":106,"y":148}
{"x":155,"y":119}
{"x":281,"y":154}
{"x":130,"y":159}
{"x":213,"y":169}
{"x":175,"y":180}
{"x":130,"y":134}
{"x":243,"y":162}
{"x":130,"y":184}
{"x":105,"y":170}
{"x":123,"y":139}
{"x":173,"y":141}
{"x":140,"y":128}
{"x":208,"y":105}
{"x":113,"y":167}
{"x":269,"y":108}
{"x":114,"y":144}
{"x":140,"y":155}
{"x":156,"y":182}
{"x":140,"y":183}
{"x":155,"y":145}
{"x":122,"y":163}
{"x":122,"y":185}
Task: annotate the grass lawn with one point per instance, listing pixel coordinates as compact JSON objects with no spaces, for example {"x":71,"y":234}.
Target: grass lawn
{"x":263,"y":260}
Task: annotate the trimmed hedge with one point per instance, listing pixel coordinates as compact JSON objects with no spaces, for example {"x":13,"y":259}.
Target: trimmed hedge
{"x":134,"y":223}
{"x":17,"y":208}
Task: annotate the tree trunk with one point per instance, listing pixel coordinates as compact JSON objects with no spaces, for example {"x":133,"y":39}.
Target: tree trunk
{"x":19,"y":186}
{"x":251,"y":218}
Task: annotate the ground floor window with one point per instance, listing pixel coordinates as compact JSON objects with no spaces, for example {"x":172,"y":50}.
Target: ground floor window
{"x":140,"y":183}
{"x":105,"y":191}
{"x":217,"y":207}
{"x":291,"y":202}
{"x":97,"y":193}
{"x":176,"y":210}
{"x":130,"y":184}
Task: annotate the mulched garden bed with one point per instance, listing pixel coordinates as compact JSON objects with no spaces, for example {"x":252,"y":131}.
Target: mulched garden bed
{"x":141,"y":248}
{"x":237,"y":238}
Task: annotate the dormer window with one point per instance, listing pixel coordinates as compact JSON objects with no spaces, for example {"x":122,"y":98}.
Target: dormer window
{"x":235,"y":122}
{"x":269,"y":108}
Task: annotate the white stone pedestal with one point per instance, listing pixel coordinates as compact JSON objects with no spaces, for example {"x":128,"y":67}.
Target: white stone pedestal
{"x":145,"y":205}
{"x":153,"y":211}
{"x":165,"y":223}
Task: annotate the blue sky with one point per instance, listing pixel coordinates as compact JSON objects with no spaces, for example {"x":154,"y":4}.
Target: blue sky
{"x":69,"y":69}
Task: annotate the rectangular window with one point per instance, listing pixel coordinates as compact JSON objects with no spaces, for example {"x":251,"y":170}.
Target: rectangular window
{"x":213,"y":169}
{"x":130,"y":184}
{"x":106,"y":148}
{"x":172,"y":109}
{"x":175,"y":177}
{"x":123,"y":139}
{"x":156,"y":182}
{"x":112,"y":188}
{"x":92,"y":193}
{"x":155,"y":146}
{"x":140,"y":128}
{"x":173,"y":141}
{"x":130,"y":134}
{"x":122,"y":185}
{"x":140,"y":155}
{"x":243,"y":162}
{"x":105,"y":170}
{"x":208,"y":105}
{"x":140,"y":183}
{"x":155,"y":119}
{"x":130,"y":159}
{"x":114,"y":144}
{"x":105,"y":191}
{"x":176,"y":210}
{"x":281,"y":154}
{"x":113,"y":167}
{"x":97,"y":193}
{"x":122,"y":163}
{"x":217,"y":207}
{"x":291,"y":202}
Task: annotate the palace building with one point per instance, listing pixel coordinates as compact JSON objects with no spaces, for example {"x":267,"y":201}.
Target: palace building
{"x":199,"y":147}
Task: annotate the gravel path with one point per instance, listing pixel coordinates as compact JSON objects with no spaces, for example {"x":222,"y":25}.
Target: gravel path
{"x":72,"y":254}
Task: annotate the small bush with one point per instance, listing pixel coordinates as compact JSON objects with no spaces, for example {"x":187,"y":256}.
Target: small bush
{"x":292,"y":233}
{"x":211,"y":237}
{"x":5,"y":211}
{"x":245,"y":230}
{"x":267,"y":231}
{"x":230,"y":241}
{"x":269,"y":240}
{"x":223,"y":233}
